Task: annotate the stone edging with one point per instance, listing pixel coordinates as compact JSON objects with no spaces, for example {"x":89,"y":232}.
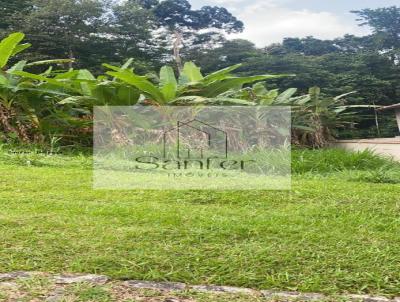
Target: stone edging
{"x":176,"y":286}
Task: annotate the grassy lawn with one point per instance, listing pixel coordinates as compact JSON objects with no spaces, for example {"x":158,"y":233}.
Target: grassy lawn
{"x":335,"y":232}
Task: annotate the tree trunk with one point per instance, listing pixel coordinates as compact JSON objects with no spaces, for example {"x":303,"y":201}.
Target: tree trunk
{"x":177,"y":46}
{"x":71,"y":57}
{"x":398,"y":118}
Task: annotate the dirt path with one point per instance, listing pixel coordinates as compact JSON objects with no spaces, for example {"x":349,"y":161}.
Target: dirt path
{"x":33,"y":287}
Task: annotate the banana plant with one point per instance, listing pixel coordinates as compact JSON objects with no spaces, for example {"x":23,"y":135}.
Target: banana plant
{"x":191,"y":88}
{"x":83,"y":88}
{"x":36,"y":106}
{"x":315,"y":118}
{"x":11,"y":46}
{"x":259,"y":94}
{"x":16,"y":95}
{"x":321,"y":117}
{"x":23,"y":100}
{"x":61,"y":102}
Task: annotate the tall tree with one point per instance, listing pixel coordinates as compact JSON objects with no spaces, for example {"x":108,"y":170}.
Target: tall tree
{"x":231,"y":52}
{"x":385,"y":23}
{"x":184,"y":24}
{"x":131,"y":33}
{"x":308,"y":46}
{"x":64,"y":28}
{"x":8,"y":10}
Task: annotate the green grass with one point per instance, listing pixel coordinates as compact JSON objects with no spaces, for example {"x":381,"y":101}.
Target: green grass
{"x":335,"y":160}
{"x":85,"y":292}
{"x":332,"y":233}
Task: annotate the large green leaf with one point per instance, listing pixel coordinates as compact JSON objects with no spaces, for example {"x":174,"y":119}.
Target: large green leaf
{"x":343,"y":95}
{"x":220,"y":74}
{"x":230,"y":101}
{"x":3,"y":80}
{"x":141,"y":83}
{"x":340,"y":109}
{"x":116,"y":68}
{"x":7,"y":47}
{"x":49,"y":62}
{"x":69,"y":75}
{"x":127,"y":64}
{"x":85,"y":74}
{"x":115,"y":94}
{"x":200,"y":100}
{"x":126,"y":96}
{"x":86,"y":87}
{"x":17,"y":67}
{"x":76,"y":100}
{"x":44,"y":91}
{"x":43,"y":79}
{"x":191,"y":72}
{"x":259,"y":89}
{"x":168,"y":83}
{"x":285,"y":96}
{"x":19,"y":48}
{"x":301,"y":100}
{"x":217,"y":88}
{"x":270,"y":97}
{"x":112,"y":67}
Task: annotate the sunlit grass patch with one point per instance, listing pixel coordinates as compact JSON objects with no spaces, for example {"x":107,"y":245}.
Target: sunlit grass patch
{"x":327,"y":234}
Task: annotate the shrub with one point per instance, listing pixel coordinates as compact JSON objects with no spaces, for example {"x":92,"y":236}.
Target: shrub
{"x":337,"y":160}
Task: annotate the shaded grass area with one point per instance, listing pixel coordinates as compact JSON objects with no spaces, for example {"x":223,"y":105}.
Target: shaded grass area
{"x":328,"y":234}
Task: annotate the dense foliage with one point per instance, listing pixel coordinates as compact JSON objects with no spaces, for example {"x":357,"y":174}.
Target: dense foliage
{"x":94,"y":31}
{"x":368,"y":65}
{"x":42,"y":105}
{"x":57,"y":105}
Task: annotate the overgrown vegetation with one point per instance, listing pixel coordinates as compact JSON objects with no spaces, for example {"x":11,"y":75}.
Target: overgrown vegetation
{"x":368,"y":65}
{"x":56,"y":106}
{"x":157,"y":33}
